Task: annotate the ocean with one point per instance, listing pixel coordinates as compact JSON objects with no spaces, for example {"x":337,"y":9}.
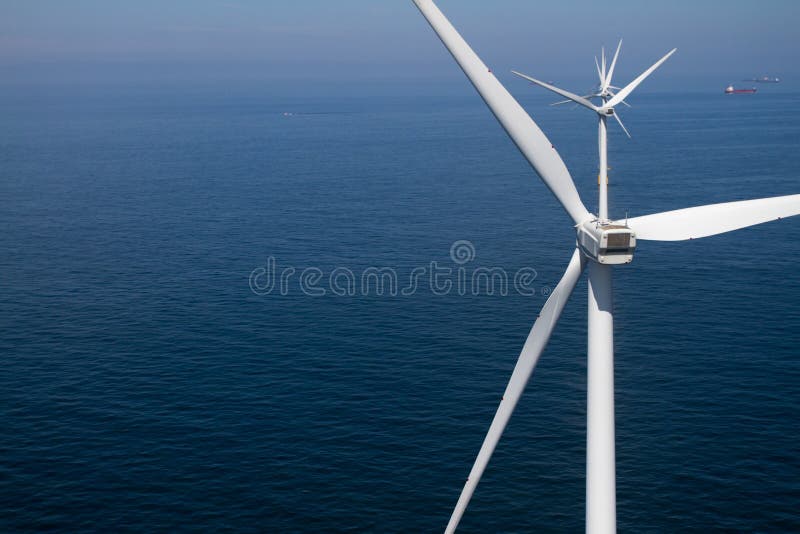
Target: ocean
{"x":210,"y":318}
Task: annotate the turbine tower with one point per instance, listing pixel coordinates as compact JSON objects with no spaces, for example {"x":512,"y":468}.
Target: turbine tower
{"x":600,"y":244}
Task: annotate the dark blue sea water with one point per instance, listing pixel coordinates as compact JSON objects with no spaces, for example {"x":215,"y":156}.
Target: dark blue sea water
{"x":145,"y":387}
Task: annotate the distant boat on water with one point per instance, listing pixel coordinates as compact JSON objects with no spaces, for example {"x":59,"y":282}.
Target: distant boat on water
{"x":731,"y":91}
{"x":764,"y":79}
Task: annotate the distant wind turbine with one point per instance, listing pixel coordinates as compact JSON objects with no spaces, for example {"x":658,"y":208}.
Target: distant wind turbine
{"x":601,"y":243}
{"x":608,"y":98}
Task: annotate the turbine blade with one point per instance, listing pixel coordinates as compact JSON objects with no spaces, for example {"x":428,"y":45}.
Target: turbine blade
{"x":599,"y":72}
{"x":622,"y":102}
{"x":611,"y":69}
{"x":603,"y":54}
{"x":622,"y":125}
{"x":713,"y":219}
{"x":566,"y":94}
{"x":624,"y":92}
{"x":534,"y":345}
{"x":530,"y":140}
{"x":561,"y":102}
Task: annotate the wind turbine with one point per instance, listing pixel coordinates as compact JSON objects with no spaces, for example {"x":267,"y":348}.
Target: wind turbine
{"x":600,"y":243}
{"x":605,"y":92}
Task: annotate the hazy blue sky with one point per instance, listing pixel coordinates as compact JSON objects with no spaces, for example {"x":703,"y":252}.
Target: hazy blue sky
{"x":351,"y":39}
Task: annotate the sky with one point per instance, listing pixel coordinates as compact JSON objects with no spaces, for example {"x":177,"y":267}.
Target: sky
{"x":318,"y":40}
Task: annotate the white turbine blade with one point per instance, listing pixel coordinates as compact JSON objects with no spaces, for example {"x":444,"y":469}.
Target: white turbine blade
{"x":599,"y":72}
{"x":622,"y":125}
{"x":712,"y":219}
{"x":562,"y":102}
{"x":612,"y":94}
{"x":609,"y":91}
{"x":534,"y":345}
{"x":566,"y":94}
{"x":611,"y":69}
{"x":624,"y":92}
{"x":603,"y":54}
{"x":530,"y":140}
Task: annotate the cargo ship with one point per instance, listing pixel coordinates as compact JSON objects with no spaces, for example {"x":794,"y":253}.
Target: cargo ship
{"x":731,"y":91}
{"x":765,"y":79}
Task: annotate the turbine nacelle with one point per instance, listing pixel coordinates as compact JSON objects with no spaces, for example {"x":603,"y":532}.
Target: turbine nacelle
{"x":606,"y":243}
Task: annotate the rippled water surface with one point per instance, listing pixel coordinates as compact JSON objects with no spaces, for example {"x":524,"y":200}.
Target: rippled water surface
{"x":145,"y":387}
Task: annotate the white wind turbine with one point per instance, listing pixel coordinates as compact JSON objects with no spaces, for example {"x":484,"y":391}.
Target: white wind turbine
{"x":601,"y":243}
{"x":605,"y":91}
